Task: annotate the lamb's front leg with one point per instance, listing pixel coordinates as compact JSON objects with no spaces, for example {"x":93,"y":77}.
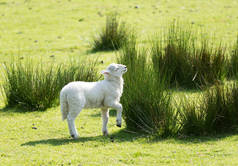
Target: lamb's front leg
{"x":118,"y":107}
{"x":105,"y":117}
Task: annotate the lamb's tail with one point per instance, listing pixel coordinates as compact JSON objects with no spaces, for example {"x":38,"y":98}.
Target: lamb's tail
{"x":64,"y":105}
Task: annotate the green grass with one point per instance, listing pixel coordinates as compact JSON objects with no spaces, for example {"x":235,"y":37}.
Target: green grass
{"x":146,"y":99}
{"x":36,"y":85}
{"x":65,"y":28}
{"x":216,"y":112}
{"x":113,"y":36}
{"x":233,"y":68}
{"x":188,"y":58}
{"x":50,"y":144}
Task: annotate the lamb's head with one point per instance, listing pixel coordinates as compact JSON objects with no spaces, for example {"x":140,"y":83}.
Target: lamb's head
{"x":116,"y":70}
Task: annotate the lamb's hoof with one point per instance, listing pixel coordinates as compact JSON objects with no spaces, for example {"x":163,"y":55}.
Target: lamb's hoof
{"x":74,"y":136}
{"x":105,"y":133}
{"x":118,"y":123}
{"x":112,"y":139}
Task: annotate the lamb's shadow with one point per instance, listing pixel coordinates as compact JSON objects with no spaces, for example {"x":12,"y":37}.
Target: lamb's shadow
{"x":120,"y":136}
{"x":126,"y":136}
{"x":112,"y":113}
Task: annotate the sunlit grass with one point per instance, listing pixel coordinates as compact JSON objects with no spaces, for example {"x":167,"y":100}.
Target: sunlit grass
{"x":113,"y":36}
{"x":36,"y":85}
{"x":54,"y":30}
{"x":188,"y":58}
{"x":146,"y":99}
{"x":41,"y":138}
{"x":38,"y":28}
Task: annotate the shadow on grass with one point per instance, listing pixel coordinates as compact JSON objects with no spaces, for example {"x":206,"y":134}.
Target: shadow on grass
{"x":127,"y":136}
{"x":193,"y":139}
{"x":16,"y":109}
{"x":117,"y":137}
{"x":112,"y":113}
{"x":94,"y":51}
{"x":20,"y":109}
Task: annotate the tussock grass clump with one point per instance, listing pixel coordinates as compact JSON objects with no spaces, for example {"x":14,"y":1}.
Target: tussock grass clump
{"x":189,"y":62}
{"x":146,"y":103}
{"x":171,"y":55}
{"x":113,"y":36}
{"x":233,"y":65}
{"x":30,"y":86}
{"x":217,"y":112}
{"x":77,"y":71}
{"x":36,"y":86}
{"x":209,"y":64}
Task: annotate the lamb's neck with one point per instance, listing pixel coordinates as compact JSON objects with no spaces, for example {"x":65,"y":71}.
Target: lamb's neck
{"x":118,"y":81}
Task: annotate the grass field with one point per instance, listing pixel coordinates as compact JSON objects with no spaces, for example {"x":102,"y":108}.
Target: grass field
{"x":42,"y":139}
{"x":66,"y":27}
{"x":58,"y":30}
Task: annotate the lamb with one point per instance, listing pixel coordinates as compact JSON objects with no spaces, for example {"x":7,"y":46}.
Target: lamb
{"x":102,"y":94}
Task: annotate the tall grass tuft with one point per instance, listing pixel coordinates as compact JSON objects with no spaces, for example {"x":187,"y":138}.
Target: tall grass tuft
{"x":146,"y":103}
{"x":188,"y":61}
{"x":36,"y":86}
{"x":77,"y":71}
{"x":192,"y":118}
{"x":113,"y":36}
{"x":217,"y":112}
{"x":171,"y":54}
{"x":233,"y":65}
{"x":209,"y":63}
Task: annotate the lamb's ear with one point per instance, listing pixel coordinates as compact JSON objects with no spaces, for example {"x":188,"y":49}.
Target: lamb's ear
{"x":105,"y":72}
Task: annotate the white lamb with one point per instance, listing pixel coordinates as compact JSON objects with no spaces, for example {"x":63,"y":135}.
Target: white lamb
{"x":103,"y":94}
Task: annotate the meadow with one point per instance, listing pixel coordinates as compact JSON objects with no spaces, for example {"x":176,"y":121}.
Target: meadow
{"x":57,"y":32}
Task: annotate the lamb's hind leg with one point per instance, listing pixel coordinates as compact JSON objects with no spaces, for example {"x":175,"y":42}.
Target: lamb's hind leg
{"x":71,"y":123}
{"x":105,"y":117}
